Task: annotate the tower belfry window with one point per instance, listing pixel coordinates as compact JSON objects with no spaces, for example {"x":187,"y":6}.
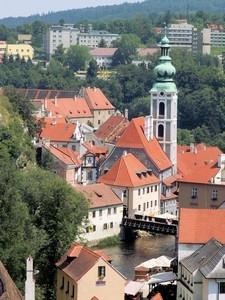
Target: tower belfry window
{"x":160,"y":131}
{"x":161,"y":108}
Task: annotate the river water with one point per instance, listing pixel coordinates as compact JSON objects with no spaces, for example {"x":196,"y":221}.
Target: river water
{"x":126,"y":256}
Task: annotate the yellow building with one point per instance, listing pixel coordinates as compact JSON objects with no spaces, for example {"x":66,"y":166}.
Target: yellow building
{"x":23,"y":50}
{"x":87,"y":275}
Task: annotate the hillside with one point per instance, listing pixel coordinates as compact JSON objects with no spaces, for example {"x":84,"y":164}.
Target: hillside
{"x":125,"y":10}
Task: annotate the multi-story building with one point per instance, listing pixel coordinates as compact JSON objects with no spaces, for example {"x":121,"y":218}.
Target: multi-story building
{"x":67,"y":35}
{"x":105,"y":211}
{"x":136,"y":185}
{"x":213,"y":37}
{"x":184,"y":35}
{"x":83,"y":274}
{"x":24,"y":51}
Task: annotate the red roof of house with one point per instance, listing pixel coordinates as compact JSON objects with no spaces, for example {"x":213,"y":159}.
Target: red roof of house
{"x":60,"y":132}
{"x":78,"y":260}
{"x":128,"y":171}
{"x":96,"y":99}
{"x":68,"y":107}
{"x":66,"y":155}
{"x":198,"y":226}
{"x":99,"y":195}
{"x":103,"y":52}
{"x":97,"y":150}
{"x":197,"y":163}
{"x":134,"y":137}
{"x":112,"y":129}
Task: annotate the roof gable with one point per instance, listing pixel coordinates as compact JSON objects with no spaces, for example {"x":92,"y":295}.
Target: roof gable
{"x":128,"y":171}
{"x":134,"y":137}
{"x":66,"y":155}
{"x":61,"y":132}
{"x":96,"y":99}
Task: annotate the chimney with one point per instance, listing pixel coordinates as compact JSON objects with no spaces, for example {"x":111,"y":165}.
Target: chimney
{"x":30,"y":282}
{"x":126,"y":113}
{"x":75,"y":97}
{"x":148,"y":127}
{"x":124,"y":153}
{"x":192,"y":147}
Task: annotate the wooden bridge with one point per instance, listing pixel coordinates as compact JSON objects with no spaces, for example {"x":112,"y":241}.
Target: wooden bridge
{"x":153,"y":225}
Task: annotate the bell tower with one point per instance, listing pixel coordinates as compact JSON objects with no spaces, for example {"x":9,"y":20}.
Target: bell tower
{"x":163,"y":107}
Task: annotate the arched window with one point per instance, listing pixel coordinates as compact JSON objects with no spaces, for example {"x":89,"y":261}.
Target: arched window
{"x":160,"y":131}
{"x":161,"y":108}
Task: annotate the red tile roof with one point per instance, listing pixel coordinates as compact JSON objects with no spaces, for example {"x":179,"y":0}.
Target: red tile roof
{"x":197,"y":163}
{"x":68,"y":107}
{"x":112,"y":129}
{"x":134,"y":137}
{"x":104,"y":255}
{"x":103,"y":52}
{"x":97,"y":150}
{"x":198,"y":226}
{"x":66,"y":155}
{"x":99,"y":195}
{"x":128,"y":171}
{"x":96,"y":99}
{"x":60,"y":132}
{"x":78,"y":260}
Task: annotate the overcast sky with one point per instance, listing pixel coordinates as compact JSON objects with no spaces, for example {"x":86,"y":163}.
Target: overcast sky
{"x":27,"y":7}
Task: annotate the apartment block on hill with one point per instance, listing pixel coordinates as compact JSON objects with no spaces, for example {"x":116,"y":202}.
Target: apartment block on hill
{"x":105,"y":211}
{"x":83,"y":274}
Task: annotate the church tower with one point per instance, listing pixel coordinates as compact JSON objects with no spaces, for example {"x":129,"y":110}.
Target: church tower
{"x":163,"y":108}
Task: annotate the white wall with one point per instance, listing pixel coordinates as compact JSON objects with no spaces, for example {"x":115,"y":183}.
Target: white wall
{"x":185,"y":250}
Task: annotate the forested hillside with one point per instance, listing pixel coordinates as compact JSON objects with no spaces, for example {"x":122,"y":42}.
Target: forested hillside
{"x":126,"y":10}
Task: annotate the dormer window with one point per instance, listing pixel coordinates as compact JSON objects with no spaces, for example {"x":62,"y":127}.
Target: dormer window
{"x":214,"y":194}
{"x":194,"y":193}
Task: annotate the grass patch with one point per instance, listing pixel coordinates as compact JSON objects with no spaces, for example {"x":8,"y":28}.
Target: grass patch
{"x":107,"y":242}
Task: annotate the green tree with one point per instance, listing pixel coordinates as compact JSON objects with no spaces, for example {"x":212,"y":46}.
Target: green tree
{"x":59,"y":54}
{"x":102,"y":44}
{"x":92,"y":70}
{"x":77,"y":57}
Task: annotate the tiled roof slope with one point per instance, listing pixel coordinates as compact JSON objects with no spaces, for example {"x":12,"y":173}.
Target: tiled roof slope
{"x":78,"y":260}
{"x":197,"y":226}
{"x":61,"y":132}
{"x":112,"y":129}
{"x":96,"y":99}
{"x":11,"y":292}
{"x":68,"y":107}
{"x":134,"y":137}
{"x":103,"y":51}
{"x":128,"y":171}
{"x":198,"y":163}
{"x":99,"y":195}
{"x":66,"y":155}
{"x":97,"y":150}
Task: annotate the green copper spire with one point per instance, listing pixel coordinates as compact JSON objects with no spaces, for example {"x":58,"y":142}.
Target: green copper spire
{"x":165,"y":71}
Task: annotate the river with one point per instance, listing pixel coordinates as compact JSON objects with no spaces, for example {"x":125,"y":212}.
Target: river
{"x":126,"y":256}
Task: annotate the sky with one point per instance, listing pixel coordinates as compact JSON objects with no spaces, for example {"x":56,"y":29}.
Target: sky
{"x":17,"y":8}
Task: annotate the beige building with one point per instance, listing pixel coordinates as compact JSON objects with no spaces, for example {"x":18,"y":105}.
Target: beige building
{"x":83,"y":274}
{"x":136,"y":185}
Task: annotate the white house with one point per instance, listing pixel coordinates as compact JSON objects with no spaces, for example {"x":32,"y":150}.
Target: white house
{"x":105,"y":211}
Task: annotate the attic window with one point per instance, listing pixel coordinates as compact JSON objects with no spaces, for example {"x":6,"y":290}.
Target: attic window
{"x":139,"y":174}
{"x":84,"y":111}
{"x":96,"y":104}
{"x":70,"y":112}
{"x":78,"y":112}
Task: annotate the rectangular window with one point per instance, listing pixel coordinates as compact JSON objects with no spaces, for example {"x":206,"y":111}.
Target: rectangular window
{"x":148,"y":190}
{"x":151,"y":203}
{"x":143,"y":191}
{"x":115,"y":210}
{"x":147,"y":204}
{"x":101,"y":272}
{"x":72,"y":294}
{"x":194,"y":193}
{"x":155,"y":202}
{"x":100,"y":212}
{"x":214,"y":194}
{"x":109,"y":211}
{"x":222,"y":288}
{"x":139,"y":192}
{"x":62,"y":284}
{"x":94,"y":214}
{"x":151,"y":188}
{"x":155,"y":188}
{"x":68,"y":287}
{"x":139,"y":207}
{"x":105,"y":226}
{"x":111,"y":224}
{"x":94,"y":228}
{"x":144,"y":206}
{"x":125,"y":193}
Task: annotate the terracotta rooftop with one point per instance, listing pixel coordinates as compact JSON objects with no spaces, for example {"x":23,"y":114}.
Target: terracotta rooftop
{"x":103,"y":52}
{"x":197,"y":163}
{"x":198,"y":226}
{"x":99,"y":195}
{"x":11,"y":292}
{"x":97,"y":150}
{"x":112,"y":129}
{"x":78,"y":260}
{"x":134,"y":137}
{"x":96,"y":99}
{"x":59,"y":132}
{"x":68,"y":107}
{"x":66,"y":155}
{"x":128,"y":171}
